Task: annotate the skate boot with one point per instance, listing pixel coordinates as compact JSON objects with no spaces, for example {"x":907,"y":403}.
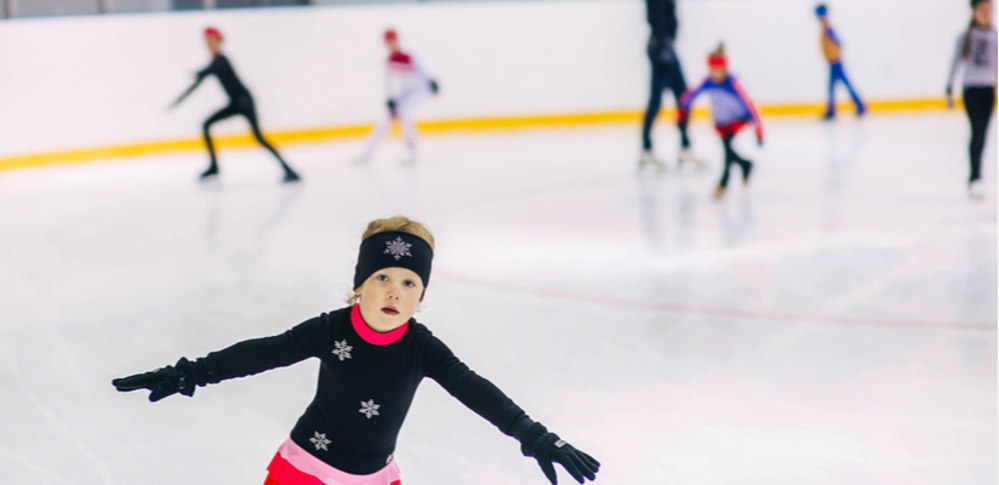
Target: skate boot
{"x":686,"y":156}
{"x":290,"y":177}
{"x":647,"y":158}
{"x":719,"y":192}
{"x":976,"y":190}
{"x":410,"y":159}
{"x":745,"y":174}
{"x":212,"y":171}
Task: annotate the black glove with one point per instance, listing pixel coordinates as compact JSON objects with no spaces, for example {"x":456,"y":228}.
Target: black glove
{"x":433,"y":86}
{"x":391,"y":107}
{"x":548,"y":448}
{"x":163,"y":381}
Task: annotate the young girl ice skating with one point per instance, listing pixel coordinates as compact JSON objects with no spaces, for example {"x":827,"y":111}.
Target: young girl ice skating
{"x":732,"y":110}
{"x":833,"y":52}
{"x":976,"y":52}
{"x":407,"y":84}
{"x":240,"y":103}
{"x":373,"y":355}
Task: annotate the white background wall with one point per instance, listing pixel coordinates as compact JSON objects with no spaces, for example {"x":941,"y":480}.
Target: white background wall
{"x":94,"y":81}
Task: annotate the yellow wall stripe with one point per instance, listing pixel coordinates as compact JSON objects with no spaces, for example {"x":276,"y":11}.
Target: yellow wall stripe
{"x":318,"y":135}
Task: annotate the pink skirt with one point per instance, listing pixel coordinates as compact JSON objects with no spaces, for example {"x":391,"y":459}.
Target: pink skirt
{"x":294,"y":466}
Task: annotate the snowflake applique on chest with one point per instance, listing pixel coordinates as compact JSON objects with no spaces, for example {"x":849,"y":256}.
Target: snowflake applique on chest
{"x":369,"y":408}
{"x":342,"y":350}
{"x":398,"y":248}
{"x":320,"y":441}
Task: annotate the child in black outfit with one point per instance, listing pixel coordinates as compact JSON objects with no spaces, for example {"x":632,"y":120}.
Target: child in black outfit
{"x":240,"y":103}
{"x":374,"y":355}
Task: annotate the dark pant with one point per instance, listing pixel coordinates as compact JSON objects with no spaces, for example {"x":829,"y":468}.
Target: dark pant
{"x":978,"y":102}
{"x":664,"y":77}
{"x":727,"y":133}
{"x":240,"y":106}
{"x":836,"y":73}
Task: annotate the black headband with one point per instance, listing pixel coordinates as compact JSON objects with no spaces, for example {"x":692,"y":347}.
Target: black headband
{"x":393,"y":249}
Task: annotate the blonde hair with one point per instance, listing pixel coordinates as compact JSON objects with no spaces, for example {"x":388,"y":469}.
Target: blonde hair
{"x":395,"y":223}
{"x":719,"y":51}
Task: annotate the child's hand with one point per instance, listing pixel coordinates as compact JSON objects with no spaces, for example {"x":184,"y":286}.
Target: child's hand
{"x":548,"y":448}
{"x":162,"y":382}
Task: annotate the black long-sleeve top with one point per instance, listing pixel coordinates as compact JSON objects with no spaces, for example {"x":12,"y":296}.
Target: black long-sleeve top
{"x":223,"y":71}
{"x":661,"y":15}
{"x":364,"y":389}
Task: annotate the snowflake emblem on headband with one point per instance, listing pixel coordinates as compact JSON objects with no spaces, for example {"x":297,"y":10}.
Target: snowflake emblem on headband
{"x":398,"y":248}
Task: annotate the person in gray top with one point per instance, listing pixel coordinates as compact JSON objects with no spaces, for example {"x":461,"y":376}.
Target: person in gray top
{"x":976,"y":52}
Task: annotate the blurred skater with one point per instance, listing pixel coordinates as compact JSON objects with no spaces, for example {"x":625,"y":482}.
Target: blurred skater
{"x":407,"y":84}
{"x":666,"y":74}
{"x":732,"y":110}
{"x":372,"y":353}
{"x":976,"y":52}
{"x":832,"y":50}
{"x":240,"y":103}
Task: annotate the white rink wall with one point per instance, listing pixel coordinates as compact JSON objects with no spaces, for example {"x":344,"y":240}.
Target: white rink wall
{"x":80,"y":82}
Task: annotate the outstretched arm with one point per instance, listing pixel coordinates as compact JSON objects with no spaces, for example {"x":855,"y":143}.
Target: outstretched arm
{"x":683,"y":110}
{"x":242,"y":359}
{"x":202,"y":74}
{"x":754,"y":115}
{"x":488,"y":401}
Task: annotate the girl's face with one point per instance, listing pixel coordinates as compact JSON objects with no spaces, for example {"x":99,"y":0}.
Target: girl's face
{"x":983,"y":14}
{"x":392,"y":45}
{"x":214,"y":44}
{"x":389,"y":298}
{"x":718,"y":74}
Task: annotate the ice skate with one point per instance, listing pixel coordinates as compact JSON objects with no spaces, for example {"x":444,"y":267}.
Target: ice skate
{"x":687,"y":156}
{"x":210,"y":173}
{"x":719,"y":192}
{"x":976,"y":190}
{"x":290,"y":177}
{"x":410,"y":159}
{"x":647,"y":158}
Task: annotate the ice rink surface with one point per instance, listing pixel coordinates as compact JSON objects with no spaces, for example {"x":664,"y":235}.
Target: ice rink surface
{"x":834,"y":323}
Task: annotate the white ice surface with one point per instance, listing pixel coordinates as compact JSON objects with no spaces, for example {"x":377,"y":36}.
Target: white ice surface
{"x":833,"y":324}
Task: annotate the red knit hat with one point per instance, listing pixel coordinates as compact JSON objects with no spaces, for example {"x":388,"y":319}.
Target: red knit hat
{"x":213,"y":32}
{"x":717,"y":58}
{"x":391,"y":35}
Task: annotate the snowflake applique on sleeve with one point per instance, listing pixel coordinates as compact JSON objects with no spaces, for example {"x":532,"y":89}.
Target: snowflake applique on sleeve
{"x":320,"y":441}
{"x":342,"y":350}
{"x":369,"y":409}
{"x":398,"y":248}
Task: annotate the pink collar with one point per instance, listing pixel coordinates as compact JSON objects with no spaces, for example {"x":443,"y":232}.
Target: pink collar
{"x":370,"y":335}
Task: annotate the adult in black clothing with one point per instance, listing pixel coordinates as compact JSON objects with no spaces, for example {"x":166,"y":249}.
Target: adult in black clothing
{"x":666,"y":74}
{"x":373,"y":354}
{"x":240,"y":103}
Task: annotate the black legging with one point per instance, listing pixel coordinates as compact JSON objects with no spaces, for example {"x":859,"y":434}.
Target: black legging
{"x":978,"y":102}
{"x":240,"y":106}
{"x":732,"y":157}
{"x":663,"y":78}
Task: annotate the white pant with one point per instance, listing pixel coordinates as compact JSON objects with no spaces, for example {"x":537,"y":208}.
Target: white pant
{"x":404,"y":107}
